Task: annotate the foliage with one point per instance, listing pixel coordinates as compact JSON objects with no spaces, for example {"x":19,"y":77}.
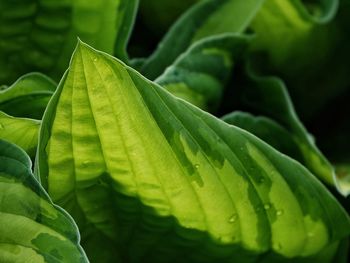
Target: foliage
{"x":194,"y":153}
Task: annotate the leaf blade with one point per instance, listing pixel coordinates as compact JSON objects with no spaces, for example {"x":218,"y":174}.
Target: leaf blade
{"x":165,"y":173}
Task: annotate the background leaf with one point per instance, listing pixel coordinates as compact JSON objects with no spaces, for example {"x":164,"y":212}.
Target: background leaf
{"x":125,"y":20}
{"x":207,"y":18}
{"x":200,"y":75}
{"x":32,"y":229}
{"x":28,"y":96}
{"x":269,"y":96}
{"x":40,"y":35}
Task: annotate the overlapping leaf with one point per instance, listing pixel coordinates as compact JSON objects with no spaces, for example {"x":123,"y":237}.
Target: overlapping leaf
{"x":32,"y":229}
{"x":200,"y":74}
{"x":40,"y":35}
{"x":20,"y":131}
{"x":159,"y":15}
{"x":157,"y":178}
{"x":28,"y":96}
{"x":125,"y":21}
{"x":301,"y":39}
{"x":205,"y":19}
{"x":268,"y":130}
{"x":269,"y":96}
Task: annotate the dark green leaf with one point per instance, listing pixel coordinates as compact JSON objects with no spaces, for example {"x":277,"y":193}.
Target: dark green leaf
{"x":269,"y":96}
{"x":201,"y":73}
{"x":207,"y":18}
{"x":125,"y":20}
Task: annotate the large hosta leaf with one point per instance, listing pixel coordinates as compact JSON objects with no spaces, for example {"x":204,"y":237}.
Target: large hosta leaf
{"x":40,"y":35}
{"x":28,"y":96}
{"x":32,"y":228}
{"x":20,"y":131}
{"x":200,"y":74}
{"x":158,"y":179}
{"x":207,"y":18}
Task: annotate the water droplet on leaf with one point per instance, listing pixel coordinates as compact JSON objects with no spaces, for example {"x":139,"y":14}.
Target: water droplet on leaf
{"x":233,"y":218}
{"x":267,"y":206}
{"x":279,"y":212}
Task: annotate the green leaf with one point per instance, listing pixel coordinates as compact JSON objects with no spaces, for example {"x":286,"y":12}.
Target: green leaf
{"x":287,"y":33}
{"x":317,"y":11}
{"x":127,"y":10}
{"x":201,"y":73}
{"x":207,"y":18}
{"x":269,"y":96}
{"x":28,"y":96}
{"x":41,"y":35}
{"x":20,"y":131}
{"x":292,"y":21}
{"x":32,"y":228}
{"x":160,"y":179}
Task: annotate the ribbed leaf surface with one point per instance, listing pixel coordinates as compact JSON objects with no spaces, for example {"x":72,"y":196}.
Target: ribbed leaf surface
{"x":158,"y":179}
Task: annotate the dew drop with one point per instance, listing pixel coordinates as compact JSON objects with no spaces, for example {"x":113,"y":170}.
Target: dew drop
{"x":279,"y":212}
{"x":95,"y":59}
{"x":233,"y":218}
{"x":267,"y":206}
{"x":196,"y":166}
